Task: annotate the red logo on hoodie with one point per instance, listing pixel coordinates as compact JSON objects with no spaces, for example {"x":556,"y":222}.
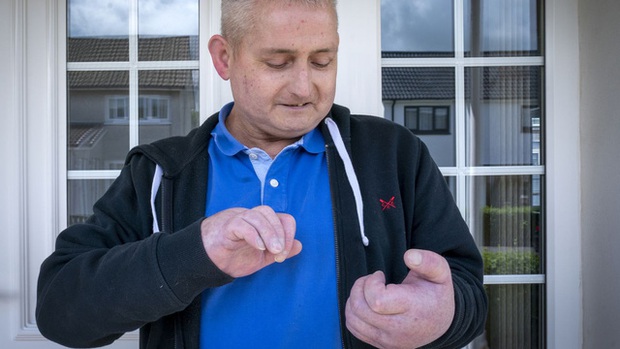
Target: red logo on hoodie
{"x":387,"y":204}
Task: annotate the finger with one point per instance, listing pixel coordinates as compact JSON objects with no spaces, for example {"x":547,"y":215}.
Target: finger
{"x":358,"y":315}
{"x":428,"y":265}
{"x":384,"y":299}
{"x":268,"y":228}
{"x":289,"y":227}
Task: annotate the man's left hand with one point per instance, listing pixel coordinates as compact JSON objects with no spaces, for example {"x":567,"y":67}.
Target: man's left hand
{"x":406,"y":315}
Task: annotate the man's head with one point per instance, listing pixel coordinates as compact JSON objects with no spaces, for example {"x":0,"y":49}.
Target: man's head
{"x":281,"y":59}
{"x":239,"y":17}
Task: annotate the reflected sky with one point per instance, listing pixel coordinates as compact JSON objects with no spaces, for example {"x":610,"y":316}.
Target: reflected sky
{"x":427,"y":25}
{"x":417,"y":25}
{"x":96,"y":18}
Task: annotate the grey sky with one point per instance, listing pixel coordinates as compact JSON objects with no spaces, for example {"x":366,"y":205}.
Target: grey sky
{"x":111,"y":17}
{"x":427,"y":25}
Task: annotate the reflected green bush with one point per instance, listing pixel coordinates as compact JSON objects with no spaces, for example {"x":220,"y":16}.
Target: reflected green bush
{"x":510,"y":261}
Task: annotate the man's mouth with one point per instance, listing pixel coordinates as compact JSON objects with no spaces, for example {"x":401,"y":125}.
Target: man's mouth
{"x":298,"y":105}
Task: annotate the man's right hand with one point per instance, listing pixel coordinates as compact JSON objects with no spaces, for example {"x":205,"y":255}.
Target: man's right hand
{"x":242,"y":241}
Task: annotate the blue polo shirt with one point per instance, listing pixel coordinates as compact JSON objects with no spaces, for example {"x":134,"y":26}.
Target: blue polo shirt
{"x":285,"y":305}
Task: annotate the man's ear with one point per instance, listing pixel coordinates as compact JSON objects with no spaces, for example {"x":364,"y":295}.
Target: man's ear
{"x":221,"y":53}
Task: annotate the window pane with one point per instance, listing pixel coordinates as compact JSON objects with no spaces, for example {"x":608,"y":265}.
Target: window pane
{"x":421,"y":91}
{"x":515,"y":317}
{"x":503,"y":111}
{"x":167,"y":30}
{"x":98,"y":114}
{"x":422,"y":28}
{"x":82,"y":195}
{"x":442,"y":119}
{"x":451,"y":181}
{"x":98,"y":31}
{"x":507,"y":222}
{"x":503,"y":28}
{"x":170,"y":103}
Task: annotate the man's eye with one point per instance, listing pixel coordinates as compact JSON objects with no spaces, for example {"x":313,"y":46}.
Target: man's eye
{"x":322,"y":64}
{"x":276,"y":65}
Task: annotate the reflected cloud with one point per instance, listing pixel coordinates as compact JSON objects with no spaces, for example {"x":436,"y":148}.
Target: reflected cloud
{"x":417,"y":25}
{"x":110,"y":18}
{"x":425,"y":26}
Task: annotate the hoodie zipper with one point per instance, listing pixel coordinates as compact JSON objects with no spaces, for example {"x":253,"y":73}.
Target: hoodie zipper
{"x":337,"y":254}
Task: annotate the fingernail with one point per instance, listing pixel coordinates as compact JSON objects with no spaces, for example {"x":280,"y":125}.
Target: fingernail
{"x":280,"y":258}
{"x":415,"y":258}
{"x":260,"y":244}
{"x":276,"y":246}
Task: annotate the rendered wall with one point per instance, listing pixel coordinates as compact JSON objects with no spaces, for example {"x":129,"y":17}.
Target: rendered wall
{"x":600,"y":162}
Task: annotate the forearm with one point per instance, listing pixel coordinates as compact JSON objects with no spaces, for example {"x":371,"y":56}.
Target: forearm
{"x":89,"y":296}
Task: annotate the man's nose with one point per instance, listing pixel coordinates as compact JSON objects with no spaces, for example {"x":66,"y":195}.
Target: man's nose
{"x":301,"y":85}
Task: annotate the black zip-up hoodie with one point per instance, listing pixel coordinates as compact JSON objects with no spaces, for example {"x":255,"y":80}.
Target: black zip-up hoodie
{"x":112,"y":274}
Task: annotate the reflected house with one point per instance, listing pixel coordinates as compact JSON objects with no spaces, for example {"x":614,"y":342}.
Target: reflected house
{"x":102,"y":103}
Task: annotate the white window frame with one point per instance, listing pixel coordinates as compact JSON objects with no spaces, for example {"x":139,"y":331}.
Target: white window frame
{"x":36,"y":167}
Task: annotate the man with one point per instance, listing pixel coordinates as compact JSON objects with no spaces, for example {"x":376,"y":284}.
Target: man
{"x":322,"y":229}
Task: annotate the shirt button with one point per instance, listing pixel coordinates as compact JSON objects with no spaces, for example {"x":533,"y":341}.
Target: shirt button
{"x":253,"y":156}
{"x":274,"y":183}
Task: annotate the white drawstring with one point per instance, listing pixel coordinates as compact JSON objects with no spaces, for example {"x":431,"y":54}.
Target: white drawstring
{"x":154,"y":188}
{"x":348,"y":167}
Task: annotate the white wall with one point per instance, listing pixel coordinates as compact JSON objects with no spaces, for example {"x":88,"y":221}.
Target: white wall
{"x":600,"y":148}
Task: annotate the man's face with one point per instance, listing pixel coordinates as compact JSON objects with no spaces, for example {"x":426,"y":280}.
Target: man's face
{"x":283,"y":73}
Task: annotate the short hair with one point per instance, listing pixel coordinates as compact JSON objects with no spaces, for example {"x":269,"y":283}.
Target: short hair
{"x":239,"y":17}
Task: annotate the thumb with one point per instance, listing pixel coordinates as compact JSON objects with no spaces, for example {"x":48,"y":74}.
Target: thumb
{"x":427,"y":265}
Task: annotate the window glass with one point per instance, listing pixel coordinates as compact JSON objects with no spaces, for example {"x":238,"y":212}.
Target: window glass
{"x":423,"y":99}
{"x":167,"y":30}
{"x":508,"y":223}
{"x":97,"y":31}
{"x":515,"y":319}
{"x":97,"y":101}
{"x":168,"y":103}
{"x":503,"y":28}
{"x":503,"y":114}
{"x":82,"y":195}
{"x":420,"y":28}
{"x":132,"y":78}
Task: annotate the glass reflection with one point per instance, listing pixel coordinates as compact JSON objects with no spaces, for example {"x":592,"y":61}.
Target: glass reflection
{"x":451,"y":182}
{"x":507,"y":222}
{"x":98,"y":119}
{"x":504,"y":117}
{"x":423,"y":99}
{"x":97,"y":31}
{"x":515,"y":319}
{"x":82,"y":195}
{"x":167,"y":104}
{"x":168,"y":30}
{"x":503,"y":28}
{"x":417,"y":28}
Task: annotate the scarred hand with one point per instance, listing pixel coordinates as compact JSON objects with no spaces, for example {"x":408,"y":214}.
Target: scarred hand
{"x":242,"y":241}
{"x":406,"y":315}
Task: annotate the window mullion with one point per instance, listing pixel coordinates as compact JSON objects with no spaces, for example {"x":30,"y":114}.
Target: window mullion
{"x":134,"y":133}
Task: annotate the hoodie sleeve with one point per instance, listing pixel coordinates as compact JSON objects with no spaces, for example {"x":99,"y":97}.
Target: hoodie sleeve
{"x":112,"y":275}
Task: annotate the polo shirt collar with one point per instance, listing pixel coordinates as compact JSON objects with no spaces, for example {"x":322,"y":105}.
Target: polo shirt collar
{"x":312,"y":141}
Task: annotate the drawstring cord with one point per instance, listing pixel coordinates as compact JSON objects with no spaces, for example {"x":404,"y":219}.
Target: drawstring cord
{"x":159,"y":172}
{"x":348,"y":167}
